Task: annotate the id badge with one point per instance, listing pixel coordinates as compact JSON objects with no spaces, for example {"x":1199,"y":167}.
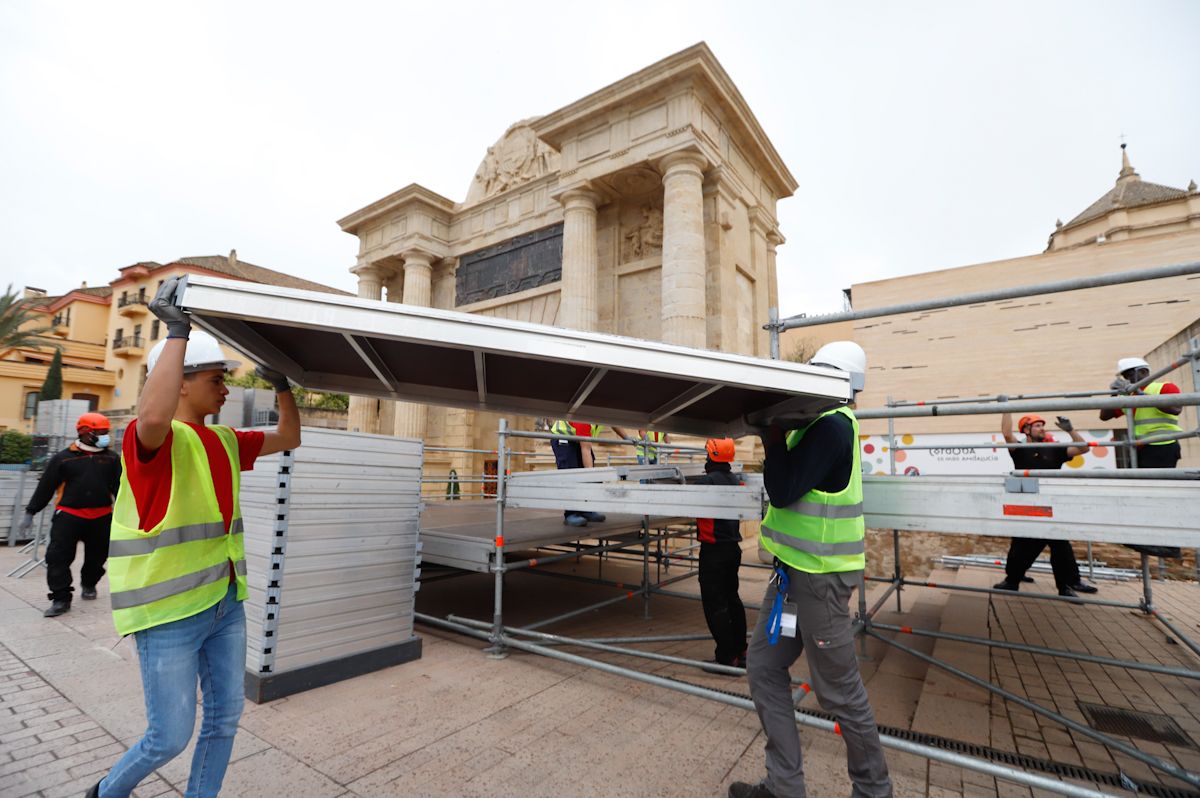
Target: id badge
{"x":787,"y":626}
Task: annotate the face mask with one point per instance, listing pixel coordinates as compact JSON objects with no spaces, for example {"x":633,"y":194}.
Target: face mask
{"x":103,"y":440}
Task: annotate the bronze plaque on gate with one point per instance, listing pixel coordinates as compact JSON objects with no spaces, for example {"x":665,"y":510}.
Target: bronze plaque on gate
{"x":518,"y":264}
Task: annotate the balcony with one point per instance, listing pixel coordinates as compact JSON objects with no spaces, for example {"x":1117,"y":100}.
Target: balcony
{"x":129,"y":346}
{"x":60,"y":326}
{"x":132,"y":306}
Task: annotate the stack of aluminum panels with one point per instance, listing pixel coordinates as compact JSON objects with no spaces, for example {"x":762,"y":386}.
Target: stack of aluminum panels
{"x":332,"y":557}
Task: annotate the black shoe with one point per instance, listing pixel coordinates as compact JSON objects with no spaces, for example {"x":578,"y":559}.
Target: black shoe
{"x":1067,"y":592}
{"x":740,"y":789}
{"x":1007,"y":585}
{"x":1083,"y":587}
{"x":740,"y":662}
{"x":88,"y":593}
{"x":95,"y":791}
{"x":56,"y":608}
{"x":1028,"y":579}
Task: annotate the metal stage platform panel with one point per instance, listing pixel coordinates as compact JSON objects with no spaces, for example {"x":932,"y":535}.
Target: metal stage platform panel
{"x":395,"y":351}
{"x":462,"y":534}
{"x":1155,"y":512}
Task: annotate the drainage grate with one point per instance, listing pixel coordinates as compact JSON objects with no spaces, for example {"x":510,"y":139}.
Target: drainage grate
{"x":1129,"y":723}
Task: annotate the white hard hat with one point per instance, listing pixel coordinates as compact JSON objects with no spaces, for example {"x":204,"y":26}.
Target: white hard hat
{"x":846,"y":356}
{"x":203,"y":354}
{"x":1127,"y":363}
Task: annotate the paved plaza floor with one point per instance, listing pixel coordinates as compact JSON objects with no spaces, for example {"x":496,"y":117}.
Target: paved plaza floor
{"x":456,"y":723}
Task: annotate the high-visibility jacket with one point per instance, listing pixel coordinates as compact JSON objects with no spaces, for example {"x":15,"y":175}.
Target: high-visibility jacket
{"x":821,"y":532}
{"x":1149,"y":421}
{"x":181,"y":566}
{"x":564,"y":427}
{"x":647,"y":451}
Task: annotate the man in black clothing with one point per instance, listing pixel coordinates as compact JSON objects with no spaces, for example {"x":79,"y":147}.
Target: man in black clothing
{"x":720,"y":559}
{"x":1023,"y":551}
{"x":85,"y":476}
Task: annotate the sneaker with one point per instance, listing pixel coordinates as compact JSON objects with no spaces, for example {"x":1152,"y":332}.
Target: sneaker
{"x":88,"y":593}
{"x":1083,"y":587}
{"x":740,"y":789}
{"x":56,"y":609}
{"x":575,"y":520}
{"x":1007,"y":585}
{"x":597,"y":517}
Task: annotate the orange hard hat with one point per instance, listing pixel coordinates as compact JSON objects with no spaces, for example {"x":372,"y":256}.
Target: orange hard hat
{"x":96,"y":421}
{"x":720,"y":450}
{"x":1030,"y":419}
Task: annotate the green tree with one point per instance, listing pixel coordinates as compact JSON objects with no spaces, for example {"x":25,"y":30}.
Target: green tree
{"x":52,"y":387}
{"x":16,"y":328}
{"x":15,"y":447}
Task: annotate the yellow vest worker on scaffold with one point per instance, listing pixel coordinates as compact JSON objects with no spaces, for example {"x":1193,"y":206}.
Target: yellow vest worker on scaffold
{"x":815,"y":529}
{"x":1148,"y":421}
{"x":577,"y":454}
{"x":177,"y":566}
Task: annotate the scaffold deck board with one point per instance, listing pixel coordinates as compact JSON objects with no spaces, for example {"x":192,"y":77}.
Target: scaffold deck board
{"x":462,"y":534}
{"x":1157,"y":512}
{"x":395,"y":351}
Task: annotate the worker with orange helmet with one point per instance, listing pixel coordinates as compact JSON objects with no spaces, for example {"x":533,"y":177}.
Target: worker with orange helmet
{"x":84,"y":477}
{"x":720,"y":559}
{"x":1023,"y":551}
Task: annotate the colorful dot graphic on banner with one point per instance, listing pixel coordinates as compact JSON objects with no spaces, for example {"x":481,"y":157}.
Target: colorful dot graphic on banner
{"x":906,"y":439}
{"x":869,"y":448}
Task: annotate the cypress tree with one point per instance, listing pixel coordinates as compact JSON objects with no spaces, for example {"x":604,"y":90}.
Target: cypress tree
{"x":52,"y":387}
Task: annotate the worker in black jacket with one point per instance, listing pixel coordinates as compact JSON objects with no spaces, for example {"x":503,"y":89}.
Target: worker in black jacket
{"x":85,"y":476}
{"x":720,"y":559}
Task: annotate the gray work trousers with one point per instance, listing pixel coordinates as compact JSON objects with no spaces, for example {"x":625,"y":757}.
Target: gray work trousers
{"x":824,"y":634}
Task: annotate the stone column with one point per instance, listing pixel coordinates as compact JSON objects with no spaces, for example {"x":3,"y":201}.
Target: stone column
{"x":578,"y":307}
{"x":683,"y":249}
{"x":363,"y":415}
{"x":418,"y":287}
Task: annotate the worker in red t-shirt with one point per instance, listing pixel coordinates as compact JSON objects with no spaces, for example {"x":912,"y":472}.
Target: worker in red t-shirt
{"x":578,"y":454}
{"x":177,"y":568}
{"x":85,"y":476}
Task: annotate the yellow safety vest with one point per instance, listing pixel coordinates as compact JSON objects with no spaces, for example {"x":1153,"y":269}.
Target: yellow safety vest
{"x":181,"y":566}
{"x":650,"y":452}
{"x":1149,"y":421}
{"x":564,"y":427}
{"x":821,"y":532}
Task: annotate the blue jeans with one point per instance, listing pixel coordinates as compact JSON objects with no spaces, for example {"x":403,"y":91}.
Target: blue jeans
{"x":210,"y":647}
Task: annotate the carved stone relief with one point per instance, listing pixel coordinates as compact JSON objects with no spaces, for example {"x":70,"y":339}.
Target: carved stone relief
{"x":518,"y":157}
{"x":642,"y":235}
{"x":520,"y":263}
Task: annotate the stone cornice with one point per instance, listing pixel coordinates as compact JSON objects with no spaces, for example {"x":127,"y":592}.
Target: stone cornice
{"x":412,"y":194}
{"x":696,"y":61}
{"x":76,"y":296}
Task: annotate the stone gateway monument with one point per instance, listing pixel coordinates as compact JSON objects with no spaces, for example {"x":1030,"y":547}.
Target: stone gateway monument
{"x":645,"y":209}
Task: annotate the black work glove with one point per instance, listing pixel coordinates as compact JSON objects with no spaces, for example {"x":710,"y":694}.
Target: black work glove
{"x":179,"y":324}
{"x":278,"y":381}
{"x":1064,"y":424}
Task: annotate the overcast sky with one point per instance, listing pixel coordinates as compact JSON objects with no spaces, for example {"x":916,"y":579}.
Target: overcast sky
{"x":924,"y":135}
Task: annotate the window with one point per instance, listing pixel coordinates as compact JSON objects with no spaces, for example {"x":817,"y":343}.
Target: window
{"x":92,"y":399}
{"x":124,"y":296}
{"x":31,"y":403}
{"x":137,"y":331}
{"x":142,"y":294}
{"x":154,"y":330}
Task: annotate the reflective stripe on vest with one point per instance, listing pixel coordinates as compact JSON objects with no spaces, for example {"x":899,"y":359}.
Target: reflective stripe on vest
{"x":181,"y":566}
{"x":821,"y":532}
{"x":171,"y":537}
{"x":1149,"y":421}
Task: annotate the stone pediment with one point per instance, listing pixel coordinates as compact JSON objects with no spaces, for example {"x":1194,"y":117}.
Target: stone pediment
{"x":518,"y":157}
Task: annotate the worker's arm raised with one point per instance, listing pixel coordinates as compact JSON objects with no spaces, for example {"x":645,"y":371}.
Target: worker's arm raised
{"x":287,"y":431}
{"x":1066,"y":426}
{"x":160,"y":394}
{"x":1006,"y":428}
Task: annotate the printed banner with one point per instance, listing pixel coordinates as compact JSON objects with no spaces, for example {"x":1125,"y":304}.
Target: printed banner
{"x":969,"y":453}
